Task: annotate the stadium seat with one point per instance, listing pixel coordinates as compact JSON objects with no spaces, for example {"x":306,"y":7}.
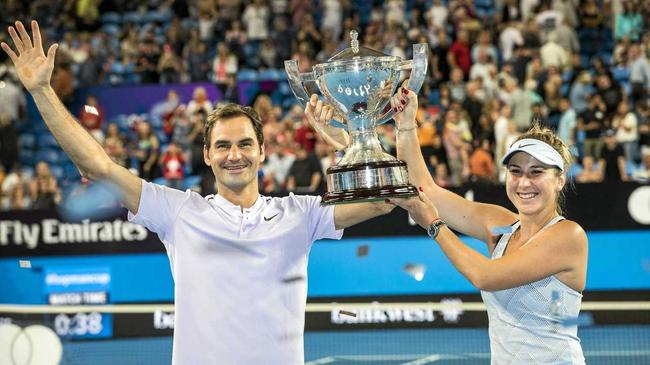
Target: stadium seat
{"x":111,"y":18}
{"x":247,"y":75}
{"x":272,"y":75}
{"x":46,"y":140}
{"x":27,"y":141}
{"x":49,"y":155}
{"x":26,"y":157}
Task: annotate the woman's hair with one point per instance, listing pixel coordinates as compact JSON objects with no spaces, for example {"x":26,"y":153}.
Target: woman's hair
{"x":547,"y":136}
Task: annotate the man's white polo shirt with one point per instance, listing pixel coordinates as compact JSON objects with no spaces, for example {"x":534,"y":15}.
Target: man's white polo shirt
{"x":240,"y":276}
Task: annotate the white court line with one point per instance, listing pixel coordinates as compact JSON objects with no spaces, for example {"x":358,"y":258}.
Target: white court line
{"x":424,"y":360}
{"x":325,"y":360}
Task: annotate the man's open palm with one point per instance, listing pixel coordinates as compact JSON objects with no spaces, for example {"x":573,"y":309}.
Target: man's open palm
{"x":32,"y":65}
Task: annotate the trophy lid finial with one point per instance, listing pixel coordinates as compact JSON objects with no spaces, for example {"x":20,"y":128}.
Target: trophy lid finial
{"x":354,"y":44}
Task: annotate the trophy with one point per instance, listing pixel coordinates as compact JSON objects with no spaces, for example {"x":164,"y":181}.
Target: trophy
{"x":358,"y":83}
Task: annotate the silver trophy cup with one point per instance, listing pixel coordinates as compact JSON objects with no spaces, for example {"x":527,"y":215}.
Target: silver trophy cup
{"x":359,"y":82}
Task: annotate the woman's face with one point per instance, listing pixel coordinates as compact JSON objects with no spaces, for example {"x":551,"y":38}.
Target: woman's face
{"x":532,"y":186}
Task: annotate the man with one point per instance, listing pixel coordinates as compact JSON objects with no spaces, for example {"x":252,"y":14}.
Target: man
{"x":239,"y":260}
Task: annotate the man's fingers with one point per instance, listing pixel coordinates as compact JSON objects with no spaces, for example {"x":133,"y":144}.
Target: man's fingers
{"x":17,"y":42}
{"x":27,"y":42}
{"x":36,"y":33}
{"x":313,"y":100}
{"x":51,"y":53}
{"x":9,"y":52}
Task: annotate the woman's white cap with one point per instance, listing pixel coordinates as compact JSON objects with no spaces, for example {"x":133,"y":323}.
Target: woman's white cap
{"x":542,"y":151}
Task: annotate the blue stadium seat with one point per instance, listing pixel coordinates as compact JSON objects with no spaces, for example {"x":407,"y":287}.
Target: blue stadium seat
{"x":284,"y":89}
{"x":27,"y":141}
{"x":45,"y":140}
{"x":49,"y":155}
{"x":272,"y":75}
{"x":247,"y":75}
{"x":111,"y":18}
{"x":111,"y":29}
{"x":26,"y":157}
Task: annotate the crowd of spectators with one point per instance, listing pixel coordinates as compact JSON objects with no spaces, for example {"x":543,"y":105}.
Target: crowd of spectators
{"x":579,"y":67}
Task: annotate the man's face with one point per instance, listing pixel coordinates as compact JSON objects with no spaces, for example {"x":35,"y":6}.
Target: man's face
{"x":234,"y":153}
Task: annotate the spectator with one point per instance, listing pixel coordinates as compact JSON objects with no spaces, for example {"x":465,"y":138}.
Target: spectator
{"x":456,"y":148}
{"x":305,"y":175}
{"x":509,"y":39}
{"x":268,"y":55}
{"x":196,"y":57}
{"x":456,"y":85}
{"x":63,"y":82}
{"x":629,"y":22}
{"x":592,"y":122}
{"x":441,"y":176}
{"x":439,"y":61}
{"x":567,"y":37}
{"x":146,"y":151}
{"x":199,"y":101}
{"x":172,"y":163}
{"x":484,"y":47}
{"x":114,"y":145}
{"x":256,"y":17}
{"x":552,"y":54}
{"x":589,"y":173}
{"x":639,"y":74}
{"x":437,"y":15}
{"x":481,"y":163}
{"x":625,"y":124}
{"x":612,"y":159}
{"x":459,"y":54}
{"x":224,"y":64}
{"x":276,"y":168}
{"x":332,"y":21}
{"x":18,"y":199}
{"x":91,"y":117}
{"x":44,"y":191}
{"x":170,"y":67}
{"x":580,"y":92}
{"x":12,"y":110}
{"x":147,"y":62}
{"x":610,"y":93}
{"x":521,"y":103}
{"x":566,"y":129}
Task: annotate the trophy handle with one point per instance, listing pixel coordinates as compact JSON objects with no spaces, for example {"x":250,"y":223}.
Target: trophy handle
{"x":418,"y":67}
{"x":297,"y":83}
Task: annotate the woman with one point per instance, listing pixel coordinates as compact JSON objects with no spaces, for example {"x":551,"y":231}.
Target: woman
{"x":533,"y":282}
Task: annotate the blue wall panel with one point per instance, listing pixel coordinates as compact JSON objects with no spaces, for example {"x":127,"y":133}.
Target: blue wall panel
{"x":617,"y":261}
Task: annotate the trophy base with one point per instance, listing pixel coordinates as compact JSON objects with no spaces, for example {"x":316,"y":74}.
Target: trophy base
{"x":369,"y":181}
{"x":369,"y":195}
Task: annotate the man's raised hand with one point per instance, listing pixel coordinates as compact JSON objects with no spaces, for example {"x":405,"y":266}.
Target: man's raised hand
{"x":34,"y":68}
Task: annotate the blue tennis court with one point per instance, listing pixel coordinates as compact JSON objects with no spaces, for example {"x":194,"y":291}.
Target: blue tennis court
{"x":602,"y":345}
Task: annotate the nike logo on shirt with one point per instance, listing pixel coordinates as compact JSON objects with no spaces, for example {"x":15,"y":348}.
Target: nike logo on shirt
{"x":271,"y":217}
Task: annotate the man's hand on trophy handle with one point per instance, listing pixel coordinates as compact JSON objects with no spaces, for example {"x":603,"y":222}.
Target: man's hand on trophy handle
{"x":319,"y":116}
{"x":405,"y":104}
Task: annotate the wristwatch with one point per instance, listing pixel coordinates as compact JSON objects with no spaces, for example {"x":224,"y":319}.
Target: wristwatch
{"x":434,"y":228}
